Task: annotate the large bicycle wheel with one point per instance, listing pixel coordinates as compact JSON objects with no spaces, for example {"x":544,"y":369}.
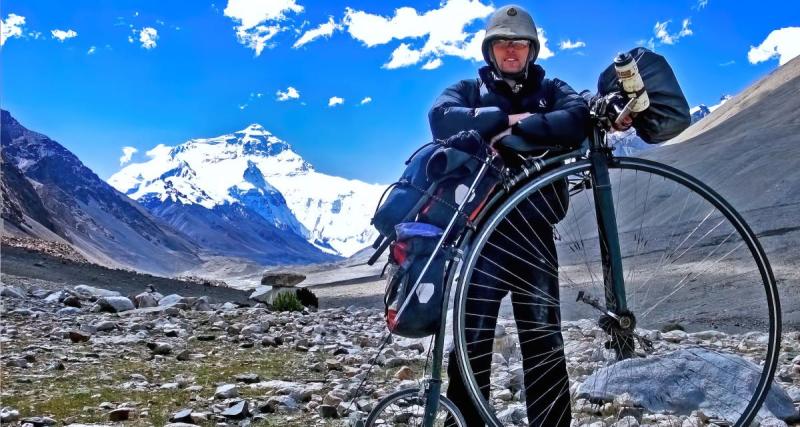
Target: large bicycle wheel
{"x":407,"y":407}
{"x":535,"y":347}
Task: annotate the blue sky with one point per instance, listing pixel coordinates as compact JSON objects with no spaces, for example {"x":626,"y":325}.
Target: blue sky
{"x":98,"y":76}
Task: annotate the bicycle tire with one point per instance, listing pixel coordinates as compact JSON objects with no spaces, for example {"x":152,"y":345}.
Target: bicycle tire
{"x":634,"y":237}
{"x":412,"y":397}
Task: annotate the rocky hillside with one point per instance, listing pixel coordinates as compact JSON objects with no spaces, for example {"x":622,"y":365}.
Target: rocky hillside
{"x":49,"y":193}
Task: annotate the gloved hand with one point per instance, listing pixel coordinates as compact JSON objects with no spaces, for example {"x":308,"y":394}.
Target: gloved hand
{"x":608,"y":108}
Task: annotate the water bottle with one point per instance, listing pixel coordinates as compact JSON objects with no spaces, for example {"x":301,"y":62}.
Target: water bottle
{"x":631,"y":80}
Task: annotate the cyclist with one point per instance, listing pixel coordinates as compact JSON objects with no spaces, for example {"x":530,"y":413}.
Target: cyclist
{"x":515,"y":107}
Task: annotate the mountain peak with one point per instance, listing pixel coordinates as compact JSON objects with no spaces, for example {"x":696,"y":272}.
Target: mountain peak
{"x":254,"y":129}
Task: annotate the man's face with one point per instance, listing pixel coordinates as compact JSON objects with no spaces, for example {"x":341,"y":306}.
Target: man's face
{"x":511,"y":54}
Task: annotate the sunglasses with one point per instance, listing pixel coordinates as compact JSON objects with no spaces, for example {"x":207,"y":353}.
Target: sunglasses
{"x":514,"y":44}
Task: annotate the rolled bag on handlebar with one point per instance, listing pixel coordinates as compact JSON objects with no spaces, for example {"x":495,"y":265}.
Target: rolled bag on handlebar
{"x":668,"y":114}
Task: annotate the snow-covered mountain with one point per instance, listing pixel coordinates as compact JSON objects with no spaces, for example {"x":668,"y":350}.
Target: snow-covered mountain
{"x":254,"y":170}
{"x":702,"y":110}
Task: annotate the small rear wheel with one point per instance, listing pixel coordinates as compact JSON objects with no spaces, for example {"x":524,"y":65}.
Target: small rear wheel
{"x":407,"y":408}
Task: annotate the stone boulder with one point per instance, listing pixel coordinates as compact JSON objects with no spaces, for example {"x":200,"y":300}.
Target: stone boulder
{"x":146,"y":300}
{"x":693,"y":378}
{"x":281,"y":279}
{"x":115,"y":304}
{"x":87,"y":291}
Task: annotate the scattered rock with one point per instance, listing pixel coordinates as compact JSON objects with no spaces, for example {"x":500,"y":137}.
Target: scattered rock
{"x":11,"y":292}
{"x":239,"y":409}
{"x":8,"y":415}
{"x":120,"y":414}
{"x":115,"y":304}
{"x":226,"y":391}
{"x":404,"y":373}
{"x":160,"y":348}
{"x":145,"y":300}
{"x":72,"y":301}
{"x":284,"y":279}
{"x":78,"y":336}
{"x":327,"y":411}
{"x":247,"y":378}
{"x":87,"y":291}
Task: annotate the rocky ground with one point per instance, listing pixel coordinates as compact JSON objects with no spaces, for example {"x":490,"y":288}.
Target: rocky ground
{"x":80,"y":355}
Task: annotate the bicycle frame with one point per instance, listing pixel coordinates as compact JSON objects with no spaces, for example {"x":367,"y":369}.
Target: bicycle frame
{"x":616,"y":304}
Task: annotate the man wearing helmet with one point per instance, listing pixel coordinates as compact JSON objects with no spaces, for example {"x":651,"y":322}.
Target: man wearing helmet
{"x":518,"y":110}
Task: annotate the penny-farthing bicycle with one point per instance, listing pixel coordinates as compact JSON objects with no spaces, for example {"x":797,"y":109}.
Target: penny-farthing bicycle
{"x":664,"y":294}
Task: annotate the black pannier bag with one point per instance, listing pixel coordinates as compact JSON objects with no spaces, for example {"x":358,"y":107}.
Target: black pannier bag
{"x":435,"y":180}
{"x":408,"y":255}
{"x":668,"y":114}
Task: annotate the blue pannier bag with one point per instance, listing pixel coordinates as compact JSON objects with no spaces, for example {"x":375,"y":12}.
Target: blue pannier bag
{"x":414,"y":246}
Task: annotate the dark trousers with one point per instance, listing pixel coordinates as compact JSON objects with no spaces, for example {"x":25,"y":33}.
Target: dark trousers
{"x":520,"y":259}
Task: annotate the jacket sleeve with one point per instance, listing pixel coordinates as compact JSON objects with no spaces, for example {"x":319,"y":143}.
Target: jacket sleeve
{"x":452,"y":113}
{"x":564,"y":125}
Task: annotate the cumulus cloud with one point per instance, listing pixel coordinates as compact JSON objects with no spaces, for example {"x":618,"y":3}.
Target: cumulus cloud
{"x":544,"y":51}
{"x":366,"y":100}
{"x":290,"y":93}
{"x":334,"y":101}
{"x":432,"y":64}
{"x":701,"y":4}
{"x":148,"y":37}
{"x":783,"y":44}
{"x":127,"y":154}
{"x":324,"y":30}
{"x":258,"y":21}
{"x":62,"y":35}
{"x":569,"y":44}
{"x":662,"y":33}
{"x":91,"y":50}
{"x":11,"y":27}
{"x":442,"y":29}
{"x":403,"y":56}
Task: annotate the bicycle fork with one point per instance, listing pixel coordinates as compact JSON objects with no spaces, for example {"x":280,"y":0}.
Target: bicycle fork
{"x":618,"y":322}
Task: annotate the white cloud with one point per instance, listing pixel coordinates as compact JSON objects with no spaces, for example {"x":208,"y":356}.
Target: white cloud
{"x":130,"y":39}
{"x":366,"y":100}
{"x":127,"y":154}
{"x":443,"y":27}
{"x":701,"y":4}
{"x":544,"y":51}
{"x":335,"y":100}
{"x":783,"y":44}
{"x":324,"y":30}
{"x":91,"y":50}
{"x":403,"y":56}
{"x":290,"y":93}
{"x":432,"y":64}
{"x":258,"y":20}
{"x":569,"y":44}
{"x":148,"y":37}
{"x":12,"y":27}
{"x":62,"y":35}
{"x":662,"y":33}
{"x":727,"y":64}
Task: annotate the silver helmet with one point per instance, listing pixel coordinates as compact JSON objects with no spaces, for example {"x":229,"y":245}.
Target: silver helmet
{"x":510,"y":22}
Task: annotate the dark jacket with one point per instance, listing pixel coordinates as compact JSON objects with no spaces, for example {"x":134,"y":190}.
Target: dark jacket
{"x":483,"y":104}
